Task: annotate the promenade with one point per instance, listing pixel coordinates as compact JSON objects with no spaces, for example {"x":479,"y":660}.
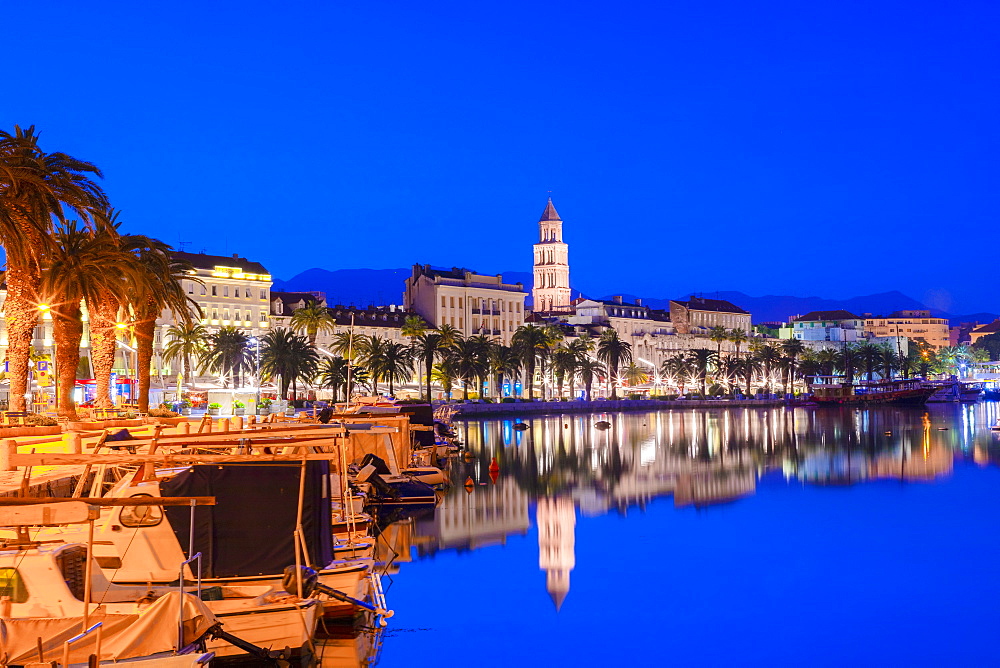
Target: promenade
{"x":479,"y":410}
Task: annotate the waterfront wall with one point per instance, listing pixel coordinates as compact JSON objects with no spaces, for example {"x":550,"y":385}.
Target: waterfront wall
{"x":474,"y":410}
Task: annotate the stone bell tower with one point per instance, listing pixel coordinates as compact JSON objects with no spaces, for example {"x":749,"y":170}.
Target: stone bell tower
{"x":550,"y":291}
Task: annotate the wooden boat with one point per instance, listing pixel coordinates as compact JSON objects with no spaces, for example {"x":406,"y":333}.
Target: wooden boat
{"x":826,"y":390}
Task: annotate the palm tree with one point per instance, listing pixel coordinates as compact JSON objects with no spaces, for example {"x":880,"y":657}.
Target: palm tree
{"x":371,"y":351}
{"x":79,"y":268}
{"x":159,"y":286}
{"x":769,"y":357}
{"x":751,"y":364}
{"x":589,"y":369}
{"x":106,"y":311}
{"x":702,"y":360}
{"x":332,"y":373}
{"x":228,"y":354}
{"x":564,"y":361}
{"x":414,"y":326}
{"x":289,"y":356}
{"x":35,"y":189}
{"x":185,"y":341}
{"x":847,"y":361}
{"x":792,"y":348}
{"x":718,"y":334}
{"x":737,"y":337}
{"x":677,"y":367}
{"x":470,"y":361}
{"x":870,"y":356}
{"x":504,"y":363}
{"x":427,"y":347}
{"x":613,"y":352}
{"x":528,"y":340}
{"x":635,"y":375}
{"x":312,"y":319}
{"x":397,"y":364}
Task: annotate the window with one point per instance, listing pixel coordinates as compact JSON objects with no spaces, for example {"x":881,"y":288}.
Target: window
{"x":214,"y":294}
{"x":459,"y":302}
{"x":190,"y":287}
{"x":12,"y":585}
{"x":453,"y":302}
{"x":141,"y":516}
{"x":203,"y":289}
{"x":236,"y":292}
{"x":444,"y":301}
{"x":225,"y":291}
{"x":215,"y":314}
{"x":263,"y":294}
{"x":236,"y":316}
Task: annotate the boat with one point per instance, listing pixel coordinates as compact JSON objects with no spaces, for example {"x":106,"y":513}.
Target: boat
{"x":385,"y":484}
{"x":55,"y":589}
{"x":246,"y":539}
{"x":953,"y":391}
{"x":831,"y":390}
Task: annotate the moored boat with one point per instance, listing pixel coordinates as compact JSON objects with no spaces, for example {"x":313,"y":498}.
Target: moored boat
{"x":828,"y":390}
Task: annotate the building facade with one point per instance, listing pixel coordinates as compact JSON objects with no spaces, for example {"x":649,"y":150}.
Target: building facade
{"x":839,"y":325}
{"x":232,"y":292}
{"x":471,"y":303}
{"x":915,"y":324}
{"x":699,"y":315}
{"x":551,"y":292}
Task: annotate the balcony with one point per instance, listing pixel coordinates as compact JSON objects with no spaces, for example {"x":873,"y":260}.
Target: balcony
{"x":476,"y":311}
{"x":496,"y":332}
{"x":495,"y":312}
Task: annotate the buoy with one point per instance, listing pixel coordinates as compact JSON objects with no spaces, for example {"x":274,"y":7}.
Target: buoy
{"x":494,"y":475}
{"x":603,"y":424}
{"x":494,"y":466}
{"x":470,"y":484}
{"x":566,"y":426}
{"x":520,"y":426}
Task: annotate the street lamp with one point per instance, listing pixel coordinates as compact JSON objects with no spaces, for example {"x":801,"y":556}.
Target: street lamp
{"x":45,"y":309}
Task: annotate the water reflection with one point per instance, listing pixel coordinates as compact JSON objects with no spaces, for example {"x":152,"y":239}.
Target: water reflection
{"x":564,"y":465}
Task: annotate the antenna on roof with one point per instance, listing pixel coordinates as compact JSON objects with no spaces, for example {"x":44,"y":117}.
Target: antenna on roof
{"x":182,"y":244}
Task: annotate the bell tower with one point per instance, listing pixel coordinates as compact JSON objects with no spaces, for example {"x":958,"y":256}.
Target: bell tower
{"x":551,"y":291}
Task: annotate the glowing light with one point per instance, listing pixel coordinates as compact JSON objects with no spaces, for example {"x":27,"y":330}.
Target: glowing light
{"x":44,"y":308}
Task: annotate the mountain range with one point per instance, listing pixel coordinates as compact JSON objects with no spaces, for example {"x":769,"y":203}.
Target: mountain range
{"x":363,"y":287}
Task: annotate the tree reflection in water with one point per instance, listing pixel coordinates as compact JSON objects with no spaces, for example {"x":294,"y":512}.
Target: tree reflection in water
{"x":564,"y":465}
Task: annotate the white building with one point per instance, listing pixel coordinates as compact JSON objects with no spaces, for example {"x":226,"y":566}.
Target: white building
{"x":471,"y":303}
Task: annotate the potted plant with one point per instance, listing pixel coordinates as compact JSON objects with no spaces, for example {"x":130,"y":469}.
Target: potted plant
{"x":239,"y":408}
{"x":185,"y":407}
{"x":264,"y":407}
{"x":213,"y":408}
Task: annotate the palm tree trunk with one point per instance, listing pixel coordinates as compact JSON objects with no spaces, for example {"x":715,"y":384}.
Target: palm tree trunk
{"x":103,"y":335}
{"x":428,"y":368}
{"x":21,"y":309}
{"x":144,"y":330}
{"x":67,"y":332}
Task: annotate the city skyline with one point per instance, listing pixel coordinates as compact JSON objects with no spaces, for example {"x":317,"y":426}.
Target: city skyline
{"x":774,"y":149}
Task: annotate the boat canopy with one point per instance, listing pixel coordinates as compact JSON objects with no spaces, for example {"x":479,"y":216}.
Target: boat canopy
{"x":249,"y":530}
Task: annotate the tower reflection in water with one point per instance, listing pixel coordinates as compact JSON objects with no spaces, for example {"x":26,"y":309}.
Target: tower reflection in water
{"x":564,"y":464}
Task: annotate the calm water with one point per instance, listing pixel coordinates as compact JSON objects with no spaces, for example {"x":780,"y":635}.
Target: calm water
{"x":723,"y":537}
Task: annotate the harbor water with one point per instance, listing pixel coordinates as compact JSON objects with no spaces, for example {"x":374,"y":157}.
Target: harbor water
{"x":713,"y":537}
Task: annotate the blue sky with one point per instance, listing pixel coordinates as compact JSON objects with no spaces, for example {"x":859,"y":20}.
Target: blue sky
{"x":778,"y":147}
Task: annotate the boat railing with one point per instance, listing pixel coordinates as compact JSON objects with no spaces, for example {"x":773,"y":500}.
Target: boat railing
{"x":180,"y":599}
{"x":98,"y":627}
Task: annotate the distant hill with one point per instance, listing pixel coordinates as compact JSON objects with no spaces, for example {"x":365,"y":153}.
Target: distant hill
{"x":358,"y":287}
{"x":362,"y":287}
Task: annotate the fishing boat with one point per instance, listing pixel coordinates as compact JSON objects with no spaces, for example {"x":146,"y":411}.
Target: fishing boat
{"x":827,"y":390}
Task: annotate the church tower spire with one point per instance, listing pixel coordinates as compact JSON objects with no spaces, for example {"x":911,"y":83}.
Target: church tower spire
{"x":551,"y":291}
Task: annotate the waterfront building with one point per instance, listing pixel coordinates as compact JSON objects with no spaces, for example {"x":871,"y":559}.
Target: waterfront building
{"x":910,"y":324}
{"x":551,"y":292}
{"x":471,"y":303}
{"x":839,"y":325}
{"x":984,"y":330}
{"x":699,"y":315}
{"x":385,"y":322}
{"x":232,"y":292}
